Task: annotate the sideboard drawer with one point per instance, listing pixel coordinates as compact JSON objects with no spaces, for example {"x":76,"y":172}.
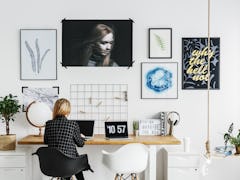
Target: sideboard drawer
{"x":12,"y":161}
{"x":12,"y":174}
{"x":183,"y":173}
{"x":183,"y":161}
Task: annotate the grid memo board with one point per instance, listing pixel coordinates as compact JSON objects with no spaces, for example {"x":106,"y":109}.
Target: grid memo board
{"x":100,"y":102}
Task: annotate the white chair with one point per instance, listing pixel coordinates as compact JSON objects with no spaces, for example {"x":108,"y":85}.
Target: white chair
{"x":129,"y":159}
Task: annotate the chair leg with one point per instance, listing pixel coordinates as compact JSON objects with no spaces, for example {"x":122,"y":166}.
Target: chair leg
{"x":116,"y":177}
{"x":134,"y":176}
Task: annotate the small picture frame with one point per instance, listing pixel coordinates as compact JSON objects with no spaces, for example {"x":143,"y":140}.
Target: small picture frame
{"x":160,"y":43}
{"x":159,"y":80}
{"x":45,"y":95}
{"x":38,"y":54}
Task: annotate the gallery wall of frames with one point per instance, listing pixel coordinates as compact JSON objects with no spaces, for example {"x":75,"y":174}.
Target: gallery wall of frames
{"x":134,"y":63}
{"x":123,"y":60}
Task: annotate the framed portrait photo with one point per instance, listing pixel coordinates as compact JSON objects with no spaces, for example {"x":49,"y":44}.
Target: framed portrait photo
{"x":160,"y":43}
{"x":96,"y":43}
{"x":195,"y":63}
{"x":159,"y":80}
{"x":38,"y":54}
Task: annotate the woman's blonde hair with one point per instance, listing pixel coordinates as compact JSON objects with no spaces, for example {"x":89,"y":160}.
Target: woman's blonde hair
{"x":62,"y":107}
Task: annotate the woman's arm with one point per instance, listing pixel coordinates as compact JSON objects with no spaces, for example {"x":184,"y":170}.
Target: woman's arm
{"x":45,"y":138}
{"x":79,"y":141}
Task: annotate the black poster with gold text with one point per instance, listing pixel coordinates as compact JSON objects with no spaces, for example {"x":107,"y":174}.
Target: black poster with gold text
{"x":195,"y":63}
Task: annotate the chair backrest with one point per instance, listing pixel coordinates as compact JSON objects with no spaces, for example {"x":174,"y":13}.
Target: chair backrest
{"x":130,"y":158}
{"x":56,"y":164}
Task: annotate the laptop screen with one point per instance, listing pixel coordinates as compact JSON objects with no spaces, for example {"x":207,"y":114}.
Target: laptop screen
{"x":86,"y":127}
{"x":116,"y":129}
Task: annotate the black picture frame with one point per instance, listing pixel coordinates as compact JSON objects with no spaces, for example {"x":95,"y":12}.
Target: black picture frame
{"x":194,"y":68}
{"x":160,"y":43}
{"x":80,"y":38}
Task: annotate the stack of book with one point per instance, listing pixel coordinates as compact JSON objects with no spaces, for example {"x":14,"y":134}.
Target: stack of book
{"x":154,"y":126}
{"x":223,"y":150}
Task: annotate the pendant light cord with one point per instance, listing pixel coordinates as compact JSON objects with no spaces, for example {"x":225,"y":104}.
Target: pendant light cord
{"x":208,"y":88}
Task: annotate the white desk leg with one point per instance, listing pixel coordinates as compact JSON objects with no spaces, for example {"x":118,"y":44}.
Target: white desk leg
{"x":150,"y":173}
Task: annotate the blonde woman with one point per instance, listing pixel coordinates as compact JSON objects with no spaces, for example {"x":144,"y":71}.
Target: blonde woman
{"x":63,"y":134}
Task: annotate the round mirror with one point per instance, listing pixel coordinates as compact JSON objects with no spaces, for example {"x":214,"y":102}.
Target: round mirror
{"x":37,"y":114}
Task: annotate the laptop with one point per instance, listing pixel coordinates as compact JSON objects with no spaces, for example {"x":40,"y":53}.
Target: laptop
{"x":116,"y":130}
{"x":86,"y":128}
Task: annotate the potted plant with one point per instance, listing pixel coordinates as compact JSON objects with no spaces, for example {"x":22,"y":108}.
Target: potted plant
{"x":135,"y":128}
{"x":234,"y":140}
{"x":9,"y":106}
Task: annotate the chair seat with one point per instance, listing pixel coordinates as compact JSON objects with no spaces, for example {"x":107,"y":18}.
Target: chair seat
{"x":130,"y":158}
{"x":56,"y":164}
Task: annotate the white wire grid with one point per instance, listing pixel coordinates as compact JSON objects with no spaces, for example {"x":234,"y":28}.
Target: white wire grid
{"x":99,"y":102}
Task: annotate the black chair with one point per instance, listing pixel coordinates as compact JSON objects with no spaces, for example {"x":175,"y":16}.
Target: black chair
{"x":56,"y":164}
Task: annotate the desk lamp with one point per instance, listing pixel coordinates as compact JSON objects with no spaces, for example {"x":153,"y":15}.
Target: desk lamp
{"x":37,"y":114}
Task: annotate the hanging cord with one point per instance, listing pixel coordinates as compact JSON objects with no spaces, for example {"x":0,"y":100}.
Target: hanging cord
{"x":208,"y":88}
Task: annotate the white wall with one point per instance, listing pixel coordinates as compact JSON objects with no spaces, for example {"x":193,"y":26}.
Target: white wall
{"x":188,"y":18}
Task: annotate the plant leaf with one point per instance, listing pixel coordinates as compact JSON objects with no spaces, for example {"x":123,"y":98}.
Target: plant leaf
{"x":160,"y":42}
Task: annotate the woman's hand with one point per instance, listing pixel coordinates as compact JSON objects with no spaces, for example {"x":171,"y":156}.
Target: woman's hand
{"x":82,"y":135}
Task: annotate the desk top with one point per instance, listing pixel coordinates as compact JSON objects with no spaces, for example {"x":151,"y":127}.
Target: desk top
{"x":99,"y":139}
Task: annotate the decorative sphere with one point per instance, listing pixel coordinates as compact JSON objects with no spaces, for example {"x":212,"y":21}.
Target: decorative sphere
{"x":38,"y":113}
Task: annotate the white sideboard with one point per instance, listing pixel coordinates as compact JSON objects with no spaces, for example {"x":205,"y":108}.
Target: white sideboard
{"x":181,"y":165}
{"x":13,"y":165}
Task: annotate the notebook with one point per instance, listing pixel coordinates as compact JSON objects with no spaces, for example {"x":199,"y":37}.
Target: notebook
{"x":116,"y":130}
{"x":86,"y":128}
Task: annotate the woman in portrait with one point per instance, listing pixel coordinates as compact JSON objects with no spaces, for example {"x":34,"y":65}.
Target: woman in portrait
{"x":96,"y":49}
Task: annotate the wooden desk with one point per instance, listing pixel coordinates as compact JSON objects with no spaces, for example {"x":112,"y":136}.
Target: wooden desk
{"x":99,"y":139}
{"x":150,"y":141}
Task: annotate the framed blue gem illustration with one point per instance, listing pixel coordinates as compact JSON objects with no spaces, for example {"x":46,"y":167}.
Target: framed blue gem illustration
{"x":159,"y":80}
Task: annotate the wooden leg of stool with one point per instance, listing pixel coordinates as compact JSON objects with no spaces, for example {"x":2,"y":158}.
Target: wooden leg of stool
{"x":116,"y":177}
{"x":132,"y":176}
{"x":136,"y":176}
{"x":121,"y":177}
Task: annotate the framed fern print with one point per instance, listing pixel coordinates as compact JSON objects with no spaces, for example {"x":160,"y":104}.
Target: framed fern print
{"x":38,"y":54}
{"x":160,"y":43}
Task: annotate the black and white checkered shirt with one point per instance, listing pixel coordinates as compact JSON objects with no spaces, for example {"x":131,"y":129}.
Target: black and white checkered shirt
{"x":64,"y":135}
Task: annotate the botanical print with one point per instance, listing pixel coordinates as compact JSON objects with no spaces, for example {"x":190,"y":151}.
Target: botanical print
{"x":195,"y":63}
{"x":38,"y":54}
{"x":36,"y":59}
{"x":160,"y":43}
{"x":46,"y":95}
{"x":159,"y":80}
